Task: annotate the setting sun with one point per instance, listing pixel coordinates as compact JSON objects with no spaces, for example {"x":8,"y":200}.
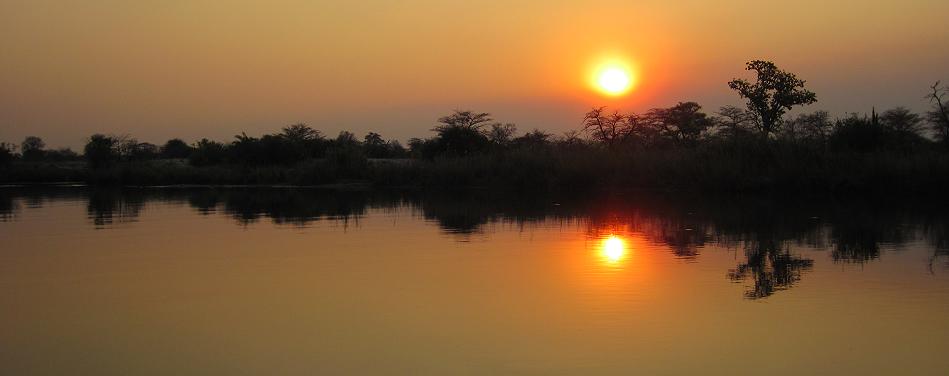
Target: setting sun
{"x":613,"y":78}
{"x":614,"y":81}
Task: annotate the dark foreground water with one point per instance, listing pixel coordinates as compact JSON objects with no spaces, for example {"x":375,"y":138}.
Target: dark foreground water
{"x":296,"y":281}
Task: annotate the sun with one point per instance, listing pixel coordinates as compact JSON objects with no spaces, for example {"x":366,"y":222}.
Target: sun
{"x":613,"y":81}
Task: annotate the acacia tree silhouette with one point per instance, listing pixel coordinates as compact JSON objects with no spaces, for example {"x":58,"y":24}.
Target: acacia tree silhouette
{"x":682,"y":124}
{"x":467,"y":120}
{"x":774,"y":93}
{"x":610,"y":129}
{"x":734,"y":122}
{"x":461,"y":132}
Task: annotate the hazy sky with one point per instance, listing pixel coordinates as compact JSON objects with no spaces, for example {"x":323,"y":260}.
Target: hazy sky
{"x":193,"y":69}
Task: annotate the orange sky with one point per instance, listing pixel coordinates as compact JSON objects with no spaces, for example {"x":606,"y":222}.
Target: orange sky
{"x":192,"y":69}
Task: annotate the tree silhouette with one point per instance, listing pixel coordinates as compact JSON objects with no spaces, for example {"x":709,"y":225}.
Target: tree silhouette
{"x":32,"y":148}
{"x":901,"y":119}
{"x":939,"y":116}
{"x":101,"y":150}
{"x":734,"y":121}
{"x":682,"y":124}
{"x":774,"y":93}
{"x":461,"y":133}
{"x":610,"y":129}
{"x":375,"y":145}
{"x":301,"y":133}
{"x":175,"y":149}
{"x":6,"y":154}
{"x":812,"y":127}
{"x":346,"y":140}
{"x":501,"y":134}
{"x":207,"y":152}
{"x":467,"y":120}
{"x":304,"y":141}
{"x":532,"y":140}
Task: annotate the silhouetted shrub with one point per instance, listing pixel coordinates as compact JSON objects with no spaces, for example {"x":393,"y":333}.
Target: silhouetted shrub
{"x":460,"y":141}
{"x":62,"y":155}
{"x":31,"y":149}
{"x":275,"y":149}
{"x":810,"y":127}
{"x":423,"y":148}
{"x":175,"y":149}
{"x":132,"y":150}
{"x":6,"y":154}
{"x":207,"y":152}
{"x":101,"y":151}
{"x":347,"y":161}
{"x":306,"y":142}
{"x":533,"y":140}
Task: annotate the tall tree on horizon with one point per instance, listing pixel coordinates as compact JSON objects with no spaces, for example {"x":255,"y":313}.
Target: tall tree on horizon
{"x":772,"y":95}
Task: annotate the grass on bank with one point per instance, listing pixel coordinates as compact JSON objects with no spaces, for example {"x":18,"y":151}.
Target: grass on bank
{"x":780,"y":167}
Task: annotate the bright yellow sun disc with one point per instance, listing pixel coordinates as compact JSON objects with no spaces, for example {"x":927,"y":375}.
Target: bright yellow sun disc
{"x":614,"y":81}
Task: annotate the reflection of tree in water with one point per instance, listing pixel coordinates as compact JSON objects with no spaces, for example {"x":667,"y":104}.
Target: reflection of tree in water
{"x":466,"y":213}
{"x":107,"y":207}
{"x":855,"y":246}
{"x":204,"y":201}
{"x":854,"y":231}
{"x":858,"y":237}
{"x":8,"y":206}
{"x":938,"y":235}
{"x":770,"y":267}
{"x":294,"y":207}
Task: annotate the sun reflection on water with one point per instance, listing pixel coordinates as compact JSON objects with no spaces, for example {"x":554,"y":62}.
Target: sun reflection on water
{"x":613,"y":249}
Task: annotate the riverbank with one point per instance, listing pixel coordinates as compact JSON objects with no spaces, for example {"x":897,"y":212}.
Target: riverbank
{"x":704,"y":169}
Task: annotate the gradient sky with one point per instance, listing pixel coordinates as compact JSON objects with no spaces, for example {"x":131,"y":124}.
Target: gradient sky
{"x":193,"y":69}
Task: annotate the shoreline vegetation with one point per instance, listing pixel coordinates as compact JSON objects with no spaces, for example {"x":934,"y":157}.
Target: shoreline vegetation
{"x":752,"y":149}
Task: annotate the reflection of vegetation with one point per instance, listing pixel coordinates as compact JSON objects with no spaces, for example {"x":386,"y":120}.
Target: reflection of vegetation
{"x":772,"y":269}
{"x":938,"y":236}
{"x":292,"y":207}
{"x":855,"y":231}
{"x":8,"y":207}
{"x":107,"y":207}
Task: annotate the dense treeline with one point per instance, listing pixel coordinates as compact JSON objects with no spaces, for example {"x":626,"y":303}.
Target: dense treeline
{"x":682,"y":146}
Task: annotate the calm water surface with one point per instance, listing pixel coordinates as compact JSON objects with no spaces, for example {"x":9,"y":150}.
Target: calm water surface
{"x":296,"y":281}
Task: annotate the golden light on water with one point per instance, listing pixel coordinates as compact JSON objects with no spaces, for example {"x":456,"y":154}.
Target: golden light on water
{"x":613,"y":249}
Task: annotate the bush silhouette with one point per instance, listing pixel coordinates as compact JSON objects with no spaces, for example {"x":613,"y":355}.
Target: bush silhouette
{"x":101,"y":151}
{"x":176,"y":149}
{"x":6,"y":154}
